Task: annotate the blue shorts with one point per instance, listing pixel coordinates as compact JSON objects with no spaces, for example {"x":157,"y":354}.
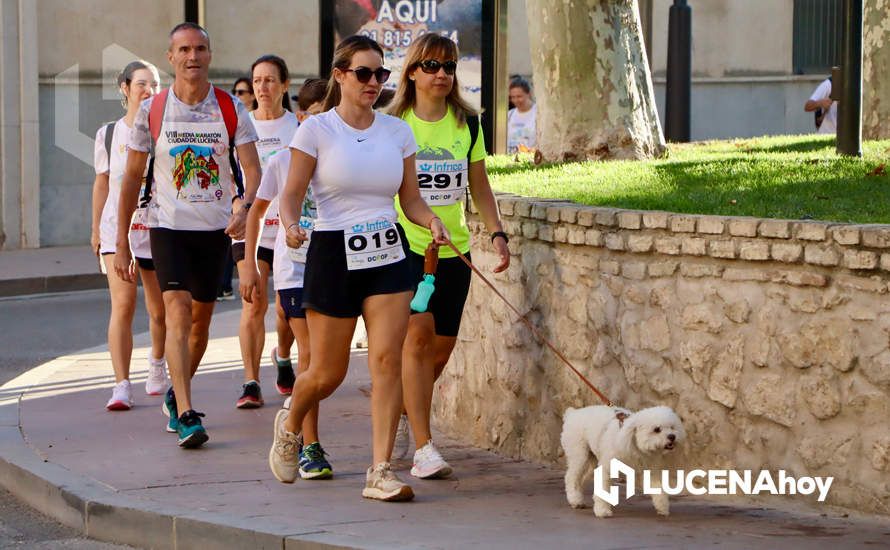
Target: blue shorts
{"x":292,"y":303}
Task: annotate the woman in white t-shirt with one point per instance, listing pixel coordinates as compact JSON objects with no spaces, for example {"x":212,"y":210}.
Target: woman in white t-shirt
{"x":521,"y":119}
{"x":139,"y":80}
{"x":357,"y":160}
{"x":275,"y":125}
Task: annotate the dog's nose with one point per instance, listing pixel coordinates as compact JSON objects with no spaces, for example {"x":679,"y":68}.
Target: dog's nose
{"x":671,"y":437}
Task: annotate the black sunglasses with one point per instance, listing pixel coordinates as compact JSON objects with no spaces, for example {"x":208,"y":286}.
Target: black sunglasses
{"x":431,"y":66}
{"x":241,"y":92}
{"x":364,"y":74}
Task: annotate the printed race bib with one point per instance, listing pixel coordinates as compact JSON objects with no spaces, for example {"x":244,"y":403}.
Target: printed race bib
{"x":442,"y":182}
{"x":372,"y":244}
{"x":299,"y":254}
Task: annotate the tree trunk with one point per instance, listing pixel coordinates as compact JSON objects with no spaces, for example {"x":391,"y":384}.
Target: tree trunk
{"x":876,"y":70}
{"x":592,"y":81}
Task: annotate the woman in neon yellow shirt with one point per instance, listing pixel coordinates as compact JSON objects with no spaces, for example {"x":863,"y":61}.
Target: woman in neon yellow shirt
{"x":449,"y":159}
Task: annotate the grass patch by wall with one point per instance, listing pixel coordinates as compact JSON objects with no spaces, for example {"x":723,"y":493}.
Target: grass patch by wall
{"x":790,"y":177}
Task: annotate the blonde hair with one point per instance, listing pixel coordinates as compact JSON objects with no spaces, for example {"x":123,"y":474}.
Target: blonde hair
{"x":429,"y":46}
{"x":342,"y":59}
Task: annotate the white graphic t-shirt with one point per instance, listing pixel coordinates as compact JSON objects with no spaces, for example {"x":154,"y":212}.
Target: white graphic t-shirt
{"x":115,"y":167}
{"x":290,"y":263}
{"x":193,"y":182}
{"x":274,"y":137}
{"x":521,"y":129}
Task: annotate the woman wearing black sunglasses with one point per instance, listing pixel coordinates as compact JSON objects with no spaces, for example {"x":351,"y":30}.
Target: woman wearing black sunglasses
{"x":243,"y":90}
{"x":429,"y":100}
{"x":357,"y":160}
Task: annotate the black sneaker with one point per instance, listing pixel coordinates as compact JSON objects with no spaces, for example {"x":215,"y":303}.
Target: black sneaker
{"x":191,"y":433}
{"x":286,"y":378}
{"x":251,"y":396}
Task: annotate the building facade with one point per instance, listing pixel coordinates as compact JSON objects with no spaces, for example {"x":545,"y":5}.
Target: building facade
{"x":59,"y":59}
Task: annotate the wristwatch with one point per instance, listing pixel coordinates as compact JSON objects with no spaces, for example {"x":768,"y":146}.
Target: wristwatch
{"x":500,"y":234}
{"x":247,"y":206}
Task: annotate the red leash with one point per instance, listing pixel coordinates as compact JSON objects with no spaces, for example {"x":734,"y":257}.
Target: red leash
{"x":529,"y":325}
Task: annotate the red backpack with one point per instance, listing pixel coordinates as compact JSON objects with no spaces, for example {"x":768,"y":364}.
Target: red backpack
{"x":156,"y":117}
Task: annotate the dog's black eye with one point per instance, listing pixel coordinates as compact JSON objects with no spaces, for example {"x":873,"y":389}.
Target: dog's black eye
{"x":657,"y":430}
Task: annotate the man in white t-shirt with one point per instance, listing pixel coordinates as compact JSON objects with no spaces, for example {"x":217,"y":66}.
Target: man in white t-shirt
{"x":521,"y":119}
{"x":199,"y":209}
{"x":821,"y":101}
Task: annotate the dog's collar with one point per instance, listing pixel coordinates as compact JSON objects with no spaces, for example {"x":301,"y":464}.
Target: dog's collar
{"x":620,"y":416}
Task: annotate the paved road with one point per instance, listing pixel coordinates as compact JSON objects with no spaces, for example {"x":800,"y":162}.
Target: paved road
{"x":34,"y":330}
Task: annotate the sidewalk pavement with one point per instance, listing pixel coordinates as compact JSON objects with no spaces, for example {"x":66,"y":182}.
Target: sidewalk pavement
{"x":120,"y":477}
{"x":51,"y":269}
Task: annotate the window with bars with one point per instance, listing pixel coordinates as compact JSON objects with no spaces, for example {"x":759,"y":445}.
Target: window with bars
{"x":818,"y":28}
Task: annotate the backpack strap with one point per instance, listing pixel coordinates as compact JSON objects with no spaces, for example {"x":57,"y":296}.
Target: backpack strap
{"x":109,"y":137}
{"x":230,"y":117}
{"x":473,"y":125}
{"x":155,"y":118}
{"x":156,"y":114}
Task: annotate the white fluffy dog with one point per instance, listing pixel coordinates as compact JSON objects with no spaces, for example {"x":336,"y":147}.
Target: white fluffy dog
{"x":596,"y":435}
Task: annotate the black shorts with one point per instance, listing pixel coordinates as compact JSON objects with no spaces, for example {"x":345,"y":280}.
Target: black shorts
{"x":189,"y":260}
{"x":291,"y":300}
{"x":262,"y":254}
{"x":330,"y":288}
{"x":146,"y":263}
{"x":452,"y":286}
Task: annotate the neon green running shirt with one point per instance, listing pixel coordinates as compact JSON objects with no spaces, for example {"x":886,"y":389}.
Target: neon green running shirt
{"x":442,"y":173}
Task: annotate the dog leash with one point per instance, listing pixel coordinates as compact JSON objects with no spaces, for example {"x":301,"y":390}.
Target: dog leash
{"x":529,"y":325}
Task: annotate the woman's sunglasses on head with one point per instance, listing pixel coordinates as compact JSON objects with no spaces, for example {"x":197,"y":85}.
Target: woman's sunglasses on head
{"x":432,"y":66}
{"x":364,"y":74}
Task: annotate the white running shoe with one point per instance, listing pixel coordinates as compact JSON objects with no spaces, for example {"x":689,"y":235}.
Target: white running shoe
{"x":284,"y":456}
{"x":121,"y":397}
{"x":429,"y":464}
{"x":157,"y":381}
{"x":400,"y":447}
{"x":381,"y":483}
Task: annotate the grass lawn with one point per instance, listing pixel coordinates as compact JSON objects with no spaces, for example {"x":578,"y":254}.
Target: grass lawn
{"x":790,"y":177}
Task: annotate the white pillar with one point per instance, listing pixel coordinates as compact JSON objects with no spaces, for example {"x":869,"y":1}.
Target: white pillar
{"x":19,"y":126}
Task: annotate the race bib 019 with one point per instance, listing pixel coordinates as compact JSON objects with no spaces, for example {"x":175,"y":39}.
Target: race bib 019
{"x":372,"y":244}
{"x":442,"y":182}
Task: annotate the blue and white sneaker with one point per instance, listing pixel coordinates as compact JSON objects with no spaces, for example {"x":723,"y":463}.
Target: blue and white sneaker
{"x":168,"y":407}
{"x":313,"y":464}
{"x":191,"y":433}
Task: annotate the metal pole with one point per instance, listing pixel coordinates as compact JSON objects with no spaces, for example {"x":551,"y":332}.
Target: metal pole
{"x":849,"y":109}
{"x":678,"y":90}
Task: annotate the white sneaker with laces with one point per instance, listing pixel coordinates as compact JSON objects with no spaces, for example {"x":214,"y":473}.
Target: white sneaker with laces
{"x":284,"y":456}
{"x":381,"y":483}
{"x":121,"y":397}
{"x":429,"y":464}
{"x":157,"y":381}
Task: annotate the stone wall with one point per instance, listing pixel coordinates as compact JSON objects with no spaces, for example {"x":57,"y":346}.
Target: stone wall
{"x":769,"y":337}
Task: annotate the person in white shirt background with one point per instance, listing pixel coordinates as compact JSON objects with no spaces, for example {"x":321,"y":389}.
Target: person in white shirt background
{"x":356,"y":263}
{"x":521,"y":119}
{"x":821,"y":101}
{"x":289,"y":268}
{"x":139,"y":80}
{"x":275,"y":125}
